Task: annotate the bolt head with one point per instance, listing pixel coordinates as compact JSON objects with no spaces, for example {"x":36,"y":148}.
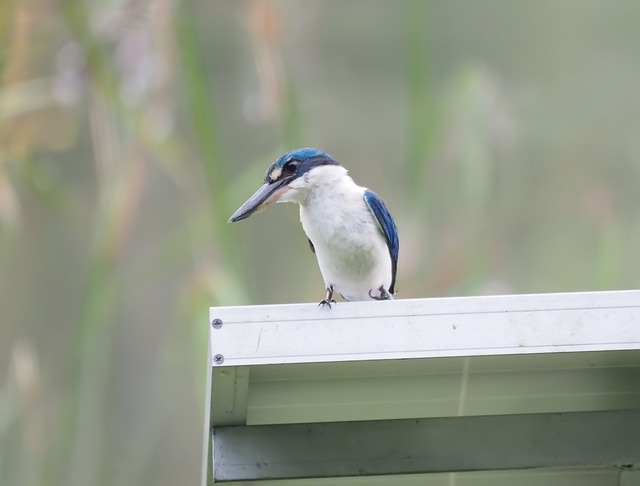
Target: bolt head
{"x":216,"y":323}
{"x":218,"y":359}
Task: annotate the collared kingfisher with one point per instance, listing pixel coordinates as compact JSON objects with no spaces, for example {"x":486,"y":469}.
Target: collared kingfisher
{"x":349,"y":227}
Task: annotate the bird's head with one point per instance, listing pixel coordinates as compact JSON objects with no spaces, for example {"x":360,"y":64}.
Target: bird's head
{"x":288,"y":168}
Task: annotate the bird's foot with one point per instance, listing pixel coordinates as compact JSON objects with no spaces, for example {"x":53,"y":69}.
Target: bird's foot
{"x":324,"y":302}
{"x":384,"y":295}
{"x":328,"y":299}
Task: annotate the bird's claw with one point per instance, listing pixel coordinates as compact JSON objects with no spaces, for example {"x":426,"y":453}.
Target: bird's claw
{"x":328,"y":302}
{"x":384,"y":295}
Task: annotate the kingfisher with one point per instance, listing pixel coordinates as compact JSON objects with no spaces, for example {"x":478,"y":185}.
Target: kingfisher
{"x":349,"y":227}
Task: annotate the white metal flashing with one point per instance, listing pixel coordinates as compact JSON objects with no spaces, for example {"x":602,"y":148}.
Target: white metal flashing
{"x":426,"y":328}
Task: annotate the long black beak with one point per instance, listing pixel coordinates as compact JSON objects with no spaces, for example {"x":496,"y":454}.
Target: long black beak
{"x":264,"y":197}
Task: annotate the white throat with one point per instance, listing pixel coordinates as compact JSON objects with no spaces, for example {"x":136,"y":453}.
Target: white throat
{"x":319,"y":182}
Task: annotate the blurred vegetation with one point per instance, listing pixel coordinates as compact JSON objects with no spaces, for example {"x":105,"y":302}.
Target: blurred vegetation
{"x":503,"y":136}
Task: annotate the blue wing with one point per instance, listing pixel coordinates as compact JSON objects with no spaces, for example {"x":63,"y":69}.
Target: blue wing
{"x":389,"y":230}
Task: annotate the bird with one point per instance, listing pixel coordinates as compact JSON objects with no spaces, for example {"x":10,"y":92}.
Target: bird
{"x":349,"y":227}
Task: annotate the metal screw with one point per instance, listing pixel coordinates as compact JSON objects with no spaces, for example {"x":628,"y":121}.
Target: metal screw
{"x":218,"y":359}
{"x":216,"y":323}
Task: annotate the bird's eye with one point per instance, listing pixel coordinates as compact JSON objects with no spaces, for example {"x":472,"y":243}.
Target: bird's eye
{"x":291,"y":166}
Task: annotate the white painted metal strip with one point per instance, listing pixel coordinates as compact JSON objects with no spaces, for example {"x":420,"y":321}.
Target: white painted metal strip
{"x":424,"y":328}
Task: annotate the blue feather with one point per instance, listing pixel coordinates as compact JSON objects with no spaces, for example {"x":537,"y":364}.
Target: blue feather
{"x":389,"y":230}
{"x":303,"y":154}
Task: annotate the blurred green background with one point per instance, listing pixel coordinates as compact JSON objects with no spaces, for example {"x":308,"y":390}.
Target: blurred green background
{"x":504,"y":136}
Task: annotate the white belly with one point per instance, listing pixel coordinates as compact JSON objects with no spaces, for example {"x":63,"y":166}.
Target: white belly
{"x":352,"y":254}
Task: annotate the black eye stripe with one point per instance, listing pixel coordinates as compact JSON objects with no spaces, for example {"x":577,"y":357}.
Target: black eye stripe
{"x":291,"y":166}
